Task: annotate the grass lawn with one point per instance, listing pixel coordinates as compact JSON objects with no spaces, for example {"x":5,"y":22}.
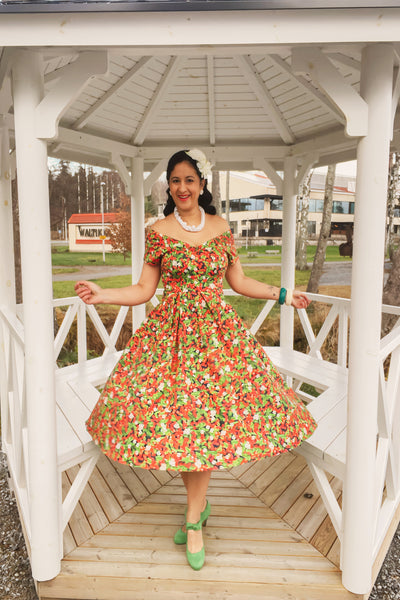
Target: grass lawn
{"x":332,"y":254}
{"x":61,"y":257}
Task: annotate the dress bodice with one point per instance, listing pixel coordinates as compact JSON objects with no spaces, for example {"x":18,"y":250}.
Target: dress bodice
{"x":185,"y":266}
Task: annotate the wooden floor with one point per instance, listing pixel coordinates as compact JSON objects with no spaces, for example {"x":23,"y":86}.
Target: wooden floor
{"x":264,"y":538}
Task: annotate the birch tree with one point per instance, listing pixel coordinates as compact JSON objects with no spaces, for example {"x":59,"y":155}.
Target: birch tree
{"x":319,"y":258}
{"x":393,"y":200}
{"x":302,"y":233}
{"x":216,"y":192}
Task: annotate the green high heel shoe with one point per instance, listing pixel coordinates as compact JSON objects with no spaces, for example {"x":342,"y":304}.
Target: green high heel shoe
{"x":180,"y":536}
{"x":195,"y":559}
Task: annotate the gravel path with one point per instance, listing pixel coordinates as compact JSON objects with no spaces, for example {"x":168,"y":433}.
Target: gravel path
{"x":15,"y":574}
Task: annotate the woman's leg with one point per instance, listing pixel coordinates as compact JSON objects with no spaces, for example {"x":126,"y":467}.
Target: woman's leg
{"x":196,"y":483}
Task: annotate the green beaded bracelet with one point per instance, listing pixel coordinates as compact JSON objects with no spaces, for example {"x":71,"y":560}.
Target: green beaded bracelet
{"x":282,"y":296}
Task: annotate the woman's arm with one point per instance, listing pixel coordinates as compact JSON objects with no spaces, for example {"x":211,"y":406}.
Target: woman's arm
{"x":246,"y":286}
{"x":141,"y":292}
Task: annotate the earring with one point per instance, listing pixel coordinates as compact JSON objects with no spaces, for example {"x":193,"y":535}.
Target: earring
{"x":201,"y":192}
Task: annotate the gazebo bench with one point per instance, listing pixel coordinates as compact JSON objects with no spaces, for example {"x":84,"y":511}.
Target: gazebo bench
{"x":76,"y":396}
{"x":326,"y":448}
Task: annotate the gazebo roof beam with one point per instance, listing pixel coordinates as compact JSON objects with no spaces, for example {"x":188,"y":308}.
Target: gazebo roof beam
{"x":264,"y":97}
{"x":345,"y":60}
{"x":159,"y":95}
{"x":81,"y":122}
{"x":211,"y":98}
{"x":313,"y":26}
{"x":308,"y":87}
{"x":61,"y":96}
{"x":312,"y":61}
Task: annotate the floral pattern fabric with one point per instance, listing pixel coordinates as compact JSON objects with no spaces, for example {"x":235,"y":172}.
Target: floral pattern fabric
{"x":194,"y":390}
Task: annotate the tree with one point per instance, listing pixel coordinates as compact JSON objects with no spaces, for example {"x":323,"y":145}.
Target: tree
{"x":216,"y":192}
{"x":304,"y":203}
{"x":393,"y":199}
{"x":319,"y":258}
{"x":120,"y":231}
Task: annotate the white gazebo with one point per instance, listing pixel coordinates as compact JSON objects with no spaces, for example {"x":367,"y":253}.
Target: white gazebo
{"x":124,"y":85}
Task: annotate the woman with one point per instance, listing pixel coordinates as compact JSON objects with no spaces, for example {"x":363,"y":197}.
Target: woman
{"x":194,"y":391}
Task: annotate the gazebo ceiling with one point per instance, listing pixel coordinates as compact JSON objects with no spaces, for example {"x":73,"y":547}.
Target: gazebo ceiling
{"x":222,"y":99}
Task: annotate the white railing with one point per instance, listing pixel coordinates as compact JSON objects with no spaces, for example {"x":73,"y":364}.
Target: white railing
{"x":12,"y":385}
{"x":14,"y":426}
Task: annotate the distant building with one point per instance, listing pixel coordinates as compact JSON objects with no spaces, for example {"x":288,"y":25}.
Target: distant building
{"x":85,"y":231}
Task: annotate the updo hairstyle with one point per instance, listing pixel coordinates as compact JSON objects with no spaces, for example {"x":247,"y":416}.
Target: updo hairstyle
{"x":205,"y":198}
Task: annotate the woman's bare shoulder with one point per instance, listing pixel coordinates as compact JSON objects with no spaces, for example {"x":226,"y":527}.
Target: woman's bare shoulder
{"x":161,"y":225}
{"x":219,"y":223}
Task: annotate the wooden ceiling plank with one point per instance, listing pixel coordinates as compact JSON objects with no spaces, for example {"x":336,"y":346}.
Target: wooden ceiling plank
{"x":81,"y":122}
{"x":308,"y":87}
{"x":257,"y":85}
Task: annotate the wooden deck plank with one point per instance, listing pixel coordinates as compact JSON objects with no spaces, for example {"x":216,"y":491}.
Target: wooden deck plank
{"x":87,"y":588}
{"x":270,"y":473}
{"x":297,"y":547}
{"x":91,"y":506}
{"x":120,"y":490}
{"x":293,"y":491}
{"x":251,"y":548}
{"x":280,"y":484}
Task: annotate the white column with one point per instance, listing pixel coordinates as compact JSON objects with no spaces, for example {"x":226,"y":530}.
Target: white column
{"x":288,"y":247}
{"x":367,"y":282}
{"x":137,"y":216}
{"x":38,"y":321}
{"x":7,"y":267}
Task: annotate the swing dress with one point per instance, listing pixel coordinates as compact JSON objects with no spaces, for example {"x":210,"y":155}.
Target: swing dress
{"x":194,"y":390}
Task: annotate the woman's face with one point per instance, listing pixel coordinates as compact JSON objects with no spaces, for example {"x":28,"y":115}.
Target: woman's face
{"x":185,"y":186}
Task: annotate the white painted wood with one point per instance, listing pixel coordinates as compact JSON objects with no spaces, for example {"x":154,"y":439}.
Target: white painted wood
{"x":308,"y":87}
{"x":119,"y":164}
{"x":141,"y":63}
{"x":213,"y":28}
{"x":354,"y":64}
{"x":262,"y":315}
{"x":137,"y":216}
{"x":211,"y":99}
{"x":262,"y":164}
{"x":370,"y":217}
{"x":264,"y":97}
{"x":69,"y":86}
{"x":322,"y":72}
{"x":288,"y":248}
{"x":77,"y":487}
{"x":38,"y":317}
{"x":7,"y":274}
{"x":328,"y":497}
{"x":167,"y":79}
{"x":155,"y":174}
{"x":307,"y":163}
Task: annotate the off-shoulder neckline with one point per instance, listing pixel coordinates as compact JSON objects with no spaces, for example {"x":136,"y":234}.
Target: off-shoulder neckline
{"x":216,"y":237}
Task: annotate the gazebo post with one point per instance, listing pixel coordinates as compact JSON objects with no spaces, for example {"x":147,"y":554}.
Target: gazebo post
{"x":366,"y":305}
{"x":288,"y":247}
{"x":38,"y":318}
{"x":7,"y":265}
{"x":137,"y":216}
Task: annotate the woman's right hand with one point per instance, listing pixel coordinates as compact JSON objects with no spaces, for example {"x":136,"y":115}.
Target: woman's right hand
{"x":89,"y":292}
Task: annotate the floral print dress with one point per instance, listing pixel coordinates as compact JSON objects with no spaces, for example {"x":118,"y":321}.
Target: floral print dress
{"x":194,"y":390}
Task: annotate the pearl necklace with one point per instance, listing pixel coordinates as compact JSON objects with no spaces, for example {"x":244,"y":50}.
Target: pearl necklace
{"x":191,"y":227}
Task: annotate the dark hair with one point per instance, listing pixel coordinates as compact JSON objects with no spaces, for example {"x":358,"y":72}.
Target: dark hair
{"x":205,"y":198}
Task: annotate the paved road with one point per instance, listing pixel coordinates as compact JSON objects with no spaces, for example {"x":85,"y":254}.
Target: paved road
{"x":335,"y":273}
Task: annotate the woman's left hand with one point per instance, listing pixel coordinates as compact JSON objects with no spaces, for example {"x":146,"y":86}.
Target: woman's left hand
{"x":300,"y":300}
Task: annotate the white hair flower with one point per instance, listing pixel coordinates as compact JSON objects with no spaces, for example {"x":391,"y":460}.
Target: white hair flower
{"x":203,"y":164}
